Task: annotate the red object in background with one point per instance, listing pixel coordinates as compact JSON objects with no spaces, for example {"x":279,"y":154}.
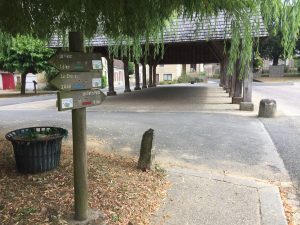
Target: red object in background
{"x":8,"y":81}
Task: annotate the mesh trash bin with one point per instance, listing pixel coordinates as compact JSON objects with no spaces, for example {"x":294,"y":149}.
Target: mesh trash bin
{"x":36,"y":149}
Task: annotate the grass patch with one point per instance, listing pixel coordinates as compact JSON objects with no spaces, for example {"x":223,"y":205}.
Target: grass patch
{"x":116,"y":187}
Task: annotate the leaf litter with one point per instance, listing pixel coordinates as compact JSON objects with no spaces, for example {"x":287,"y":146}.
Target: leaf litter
{"x":124,"y":194}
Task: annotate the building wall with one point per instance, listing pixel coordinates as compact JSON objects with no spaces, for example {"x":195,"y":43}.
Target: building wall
{"x":1,"y":84}
{"x":173,"y":70}
{"x":118,"y":73}
{"x":9,"y":81}
{"x":118,"y":76}
{"x":212,"y":69}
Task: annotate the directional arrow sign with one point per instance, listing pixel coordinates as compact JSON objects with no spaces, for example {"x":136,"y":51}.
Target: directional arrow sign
{"x":67,"y":81}
{"x":76,"y":61}
{"x":79,"y":99}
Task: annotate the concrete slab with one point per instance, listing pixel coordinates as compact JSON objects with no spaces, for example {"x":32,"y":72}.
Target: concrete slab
{"x":272,"y":212}
{"x":202,"y":199}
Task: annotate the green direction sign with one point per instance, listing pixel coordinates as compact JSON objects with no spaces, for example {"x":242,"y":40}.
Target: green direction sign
{"x":67,"y":81}
{"x":76,"y":61}
{"x":79,"y":99}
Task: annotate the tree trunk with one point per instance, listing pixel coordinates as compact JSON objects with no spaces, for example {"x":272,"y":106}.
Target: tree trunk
{"x":23,"y":83}
{"x":275,"y":61}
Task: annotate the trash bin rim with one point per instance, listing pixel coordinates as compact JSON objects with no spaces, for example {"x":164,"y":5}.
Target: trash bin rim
{"x":62,"y":133}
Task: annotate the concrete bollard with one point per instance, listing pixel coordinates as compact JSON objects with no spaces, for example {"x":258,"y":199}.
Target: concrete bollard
{"x":267,"y":108}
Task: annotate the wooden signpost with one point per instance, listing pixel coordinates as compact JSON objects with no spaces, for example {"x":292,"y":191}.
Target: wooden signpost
{"x":78,"y":79}
{"x":76,"y":61}
{"x":67,"y":81}
{"x":79,"y":99}
{"x":79,"y":82}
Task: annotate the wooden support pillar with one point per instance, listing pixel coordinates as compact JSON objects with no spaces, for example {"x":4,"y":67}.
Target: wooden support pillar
{"x":183,"y":70}
{"x":226,"y":76}
{"x":228,"y":83}
{"x":237,"y":96}
{"x":150,"y":75}
{"x":110,"y":71}
{"x":222,"y":74}
{"x":137,"y":76}
{"x":246,"y":104}
{"x":126,"y":76}
{"x":247,"y":92}
{"x":76,"y":43}
{"x":233,"y":82}
{"x":154,"y":75}
{"x":144,"y":76}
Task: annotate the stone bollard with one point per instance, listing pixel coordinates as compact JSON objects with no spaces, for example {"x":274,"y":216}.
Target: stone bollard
{"x":267,"y":108}
{"x":146,"y":154}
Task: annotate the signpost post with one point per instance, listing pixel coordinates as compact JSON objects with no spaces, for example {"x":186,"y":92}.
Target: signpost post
{"x":78,"y":82}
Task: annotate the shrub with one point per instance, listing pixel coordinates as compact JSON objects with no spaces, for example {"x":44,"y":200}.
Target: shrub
{"x":104,"y":81}
{"x":184,"y":78}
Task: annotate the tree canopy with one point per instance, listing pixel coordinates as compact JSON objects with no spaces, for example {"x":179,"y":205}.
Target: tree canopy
{"x":128,"y":22}
{"x":26,"y":55}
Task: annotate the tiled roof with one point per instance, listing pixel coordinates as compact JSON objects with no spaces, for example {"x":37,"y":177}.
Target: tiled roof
{"x":189,"y":30}
{"x":118,"y":64}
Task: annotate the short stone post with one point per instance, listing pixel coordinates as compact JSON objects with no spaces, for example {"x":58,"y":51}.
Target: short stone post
{"x":267,"y":108}
{"x":146,"y":154}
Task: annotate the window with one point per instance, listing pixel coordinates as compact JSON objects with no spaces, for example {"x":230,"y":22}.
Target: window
{"x":193,"y":68}
{"x":167,"y":76}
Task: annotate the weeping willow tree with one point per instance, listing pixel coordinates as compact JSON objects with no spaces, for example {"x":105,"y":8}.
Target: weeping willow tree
{"x":128,"y":23}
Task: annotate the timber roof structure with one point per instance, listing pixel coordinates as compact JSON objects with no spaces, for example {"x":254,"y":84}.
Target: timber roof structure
{"x":187,"y":40}
{"x":190,"y":30}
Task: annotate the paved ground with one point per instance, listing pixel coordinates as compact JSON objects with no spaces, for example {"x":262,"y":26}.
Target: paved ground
{"x":223,"y":155}
{"x":285,"y":128}
{"x":219,"y":199}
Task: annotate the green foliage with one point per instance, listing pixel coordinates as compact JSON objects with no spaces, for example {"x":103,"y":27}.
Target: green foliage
{"x":51,"y":73}
{"x":184,"y":78}
{"x":128,"y":23}
{"x":271,"y":47}
{"x":130,"y":68}
{"x":104,"y":81}
{"x":26,"y":55}
{"x":257,"y":62}
{"x":165,"y":82}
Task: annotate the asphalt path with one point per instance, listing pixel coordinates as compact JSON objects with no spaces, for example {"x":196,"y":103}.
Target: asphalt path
{"x":195,"y":126}
{"x":285,"y":128}
{"x":25,"y":99}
